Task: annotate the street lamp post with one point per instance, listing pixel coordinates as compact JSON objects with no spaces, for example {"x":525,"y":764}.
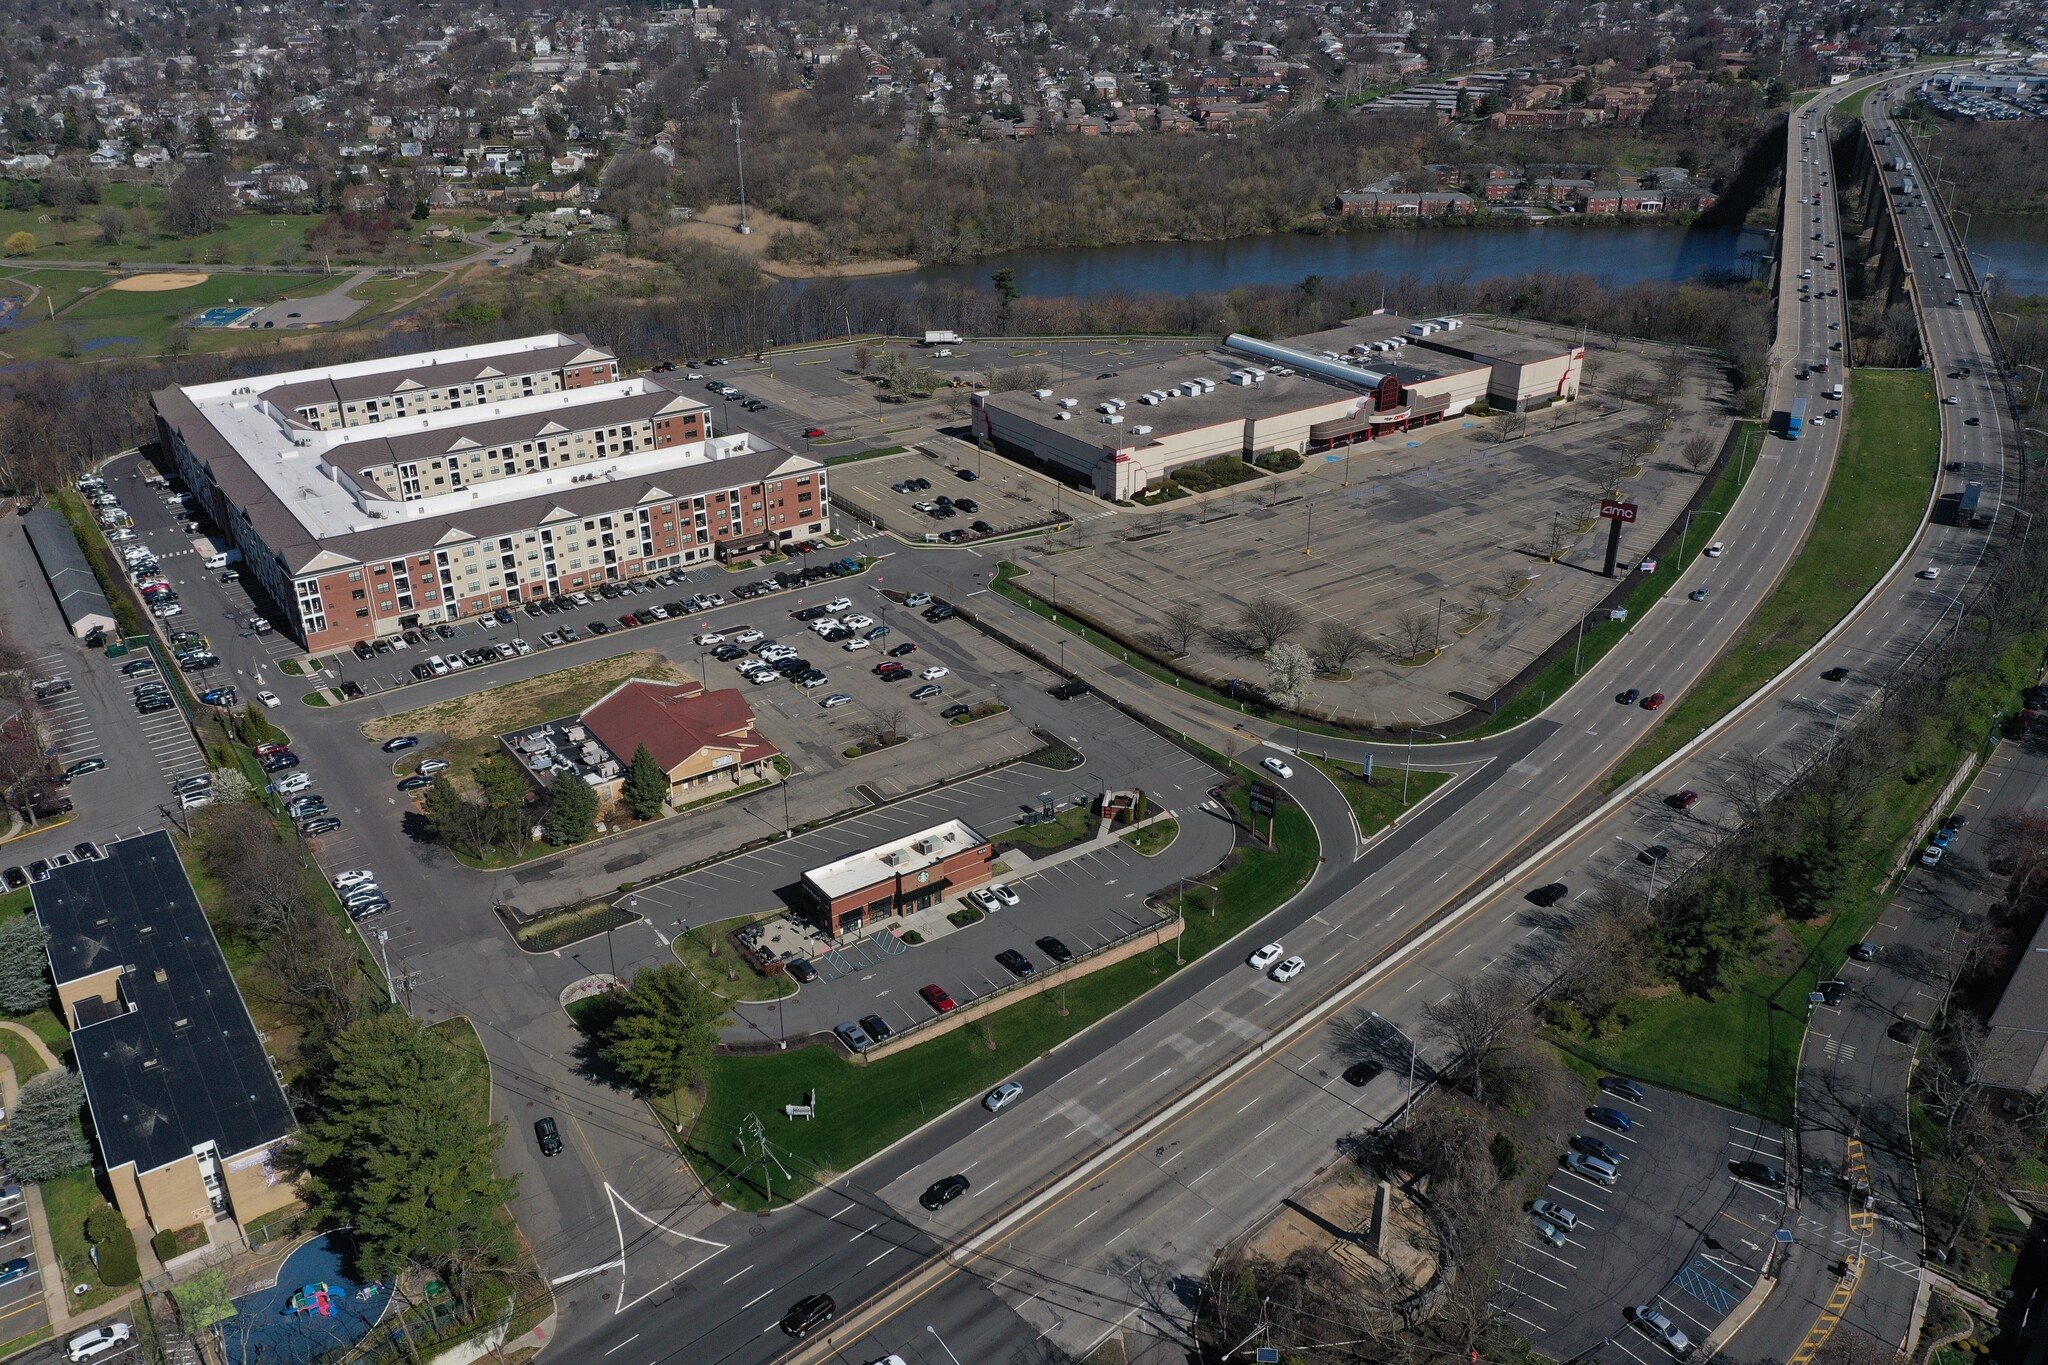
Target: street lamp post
{"x":1650,"y":895}
{"x":1686,"y":530}
{"x":942,"y":1343}
{"x":1407,"y":1108}
{"x":1407,"y":763}
{"x":1439,"y":625}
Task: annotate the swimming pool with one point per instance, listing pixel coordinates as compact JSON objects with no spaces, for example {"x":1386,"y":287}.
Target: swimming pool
{"x":269,"y":1330}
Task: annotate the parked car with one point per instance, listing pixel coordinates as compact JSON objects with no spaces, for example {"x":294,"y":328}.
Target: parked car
{"x":1054,"y":949}
{"x":935,"y":995}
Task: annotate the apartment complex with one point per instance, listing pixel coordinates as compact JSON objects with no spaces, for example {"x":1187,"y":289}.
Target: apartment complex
{"x":186,"y":1106}
{"x":372,"y":497}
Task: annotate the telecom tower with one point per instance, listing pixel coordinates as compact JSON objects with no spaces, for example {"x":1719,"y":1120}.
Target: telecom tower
{"x":739,"y":158}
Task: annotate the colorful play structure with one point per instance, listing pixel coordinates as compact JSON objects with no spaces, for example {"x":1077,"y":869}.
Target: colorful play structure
{"x":312,"y":1298}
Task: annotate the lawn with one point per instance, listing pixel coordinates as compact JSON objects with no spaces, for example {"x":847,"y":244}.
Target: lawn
{"x":465,"y":730}
{"x":475,"y":1083}
{"x":386,"y":291}
{"x":1874,"y":503}
{"x":68,"y":1201}
{"x":27,"y":1064}
{"x":727,"y":976}
{"x":862,"y":1109}
{"x":118,"y":322}
{"x":1155,"y":838}
{"x":1377,"y":803}
{"x":1070,"y":825}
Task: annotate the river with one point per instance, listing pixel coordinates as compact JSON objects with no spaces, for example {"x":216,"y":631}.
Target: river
{"x":2012,"y":247}
{"x":1616,"y":252}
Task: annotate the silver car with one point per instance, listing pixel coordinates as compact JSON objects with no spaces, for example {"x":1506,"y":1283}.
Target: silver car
{"x":1002,"y":1097}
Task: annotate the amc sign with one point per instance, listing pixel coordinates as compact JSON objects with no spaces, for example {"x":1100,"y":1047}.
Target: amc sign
{"x":1618,"y":511}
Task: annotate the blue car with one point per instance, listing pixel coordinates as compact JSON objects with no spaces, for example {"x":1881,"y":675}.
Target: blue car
{"x":15,"y":1269}
{"x":1610,"y":1118}
{"x":1944,"y":837}
{"x":219,"y":696}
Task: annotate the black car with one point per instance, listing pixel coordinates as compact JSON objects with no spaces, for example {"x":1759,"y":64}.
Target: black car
{"x":940,"y":612}
{"x":1550,"y":895}
{"x":1624,"y":1087}
{"x":1592,"y":1146}
{"x":445,"y":632}
{"x":1630,"y":697}
{"x":1054,"y":949}
{"x":422,"y":672}
{"x":725,"y":654}
{"x":16,"y":877}
{"x":1833,"y":992}
{"x":1903,"y":1031}
{"x":363,"y":650}
{"x":548,"y":1136}
{"x":1070,"y":689}
{"x":1655,"y":853}
{"x":1362,"y":1073}
{"x":943,"y":1192}
{"x":1017,"y":964}
{"x":802,"y":972}
{"x":504,"y":615}
{"x":277,"y":763}
{"x":983,"y":528}
{"x":1757,"y":1173}
{"x":955,"y":711}
{"x":1836,"y":675}
{"x":808,"y":1314}
{"x":876,"y":1027}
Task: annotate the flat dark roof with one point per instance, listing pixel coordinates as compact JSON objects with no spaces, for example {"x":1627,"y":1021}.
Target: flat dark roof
{"x":183,"y":1065}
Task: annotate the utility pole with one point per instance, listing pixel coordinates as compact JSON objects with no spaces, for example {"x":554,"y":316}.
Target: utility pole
{"x":753,"y":1140}
{"x":740,"y":162}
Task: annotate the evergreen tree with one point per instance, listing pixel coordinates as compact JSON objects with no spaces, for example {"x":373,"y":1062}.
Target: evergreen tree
{"x":24,"y":978}
{"x":44,"y":1139}
{"x":572,"y":811}
{"x":392,"y":1150}
{"x":664,"y":1031}
{"x":646,"y":785}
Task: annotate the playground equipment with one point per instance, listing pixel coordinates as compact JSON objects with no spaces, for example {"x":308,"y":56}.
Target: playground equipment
{"x":312,"y":1298}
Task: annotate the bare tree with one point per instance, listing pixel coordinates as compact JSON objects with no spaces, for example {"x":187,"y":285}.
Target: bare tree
{"x":1558,"y":537}
{"x":1510,"y":425}
{"x":1751,"y":778}
{"x":1338,"y":645}
{"x":1413,"y":632}
{"x":888,"y":723}
{"x":1477,"y":1022}
{"x":1697,"y":451}
{"x":2017,"y":839}
{"x":1671,"y":369}
{"x":1181,"y":622}
{"x":1269,"y":619}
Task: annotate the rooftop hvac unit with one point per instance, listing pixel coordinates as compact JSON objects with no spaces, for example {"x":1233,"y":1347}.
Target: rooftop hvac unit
{"x":1141,"y":431}
{"x":1240,"y":377}
{"x":576,"y":734}
{"x":1041,"y":393}
{"x":1070,"y":402}
{"x":1114,"y":419}
{"x":1063,"y":417}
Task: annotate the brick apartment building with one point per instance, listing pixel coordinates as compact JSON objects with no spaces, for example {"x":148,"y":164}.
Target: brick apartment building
{"x":372,"y":497}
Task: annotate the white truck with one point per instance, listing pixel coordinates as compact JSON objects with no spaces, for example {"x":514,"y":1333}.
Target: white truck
{"x":942,"y":338}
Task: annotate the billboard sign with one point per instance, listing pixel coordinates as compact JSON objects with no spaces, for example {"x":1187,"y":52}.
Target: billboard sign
{"x":1618,"y":511}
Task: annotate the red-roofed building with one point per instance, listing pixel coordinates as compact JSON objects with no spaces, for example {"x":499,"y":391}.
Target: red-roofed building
{"x":703,"y":740}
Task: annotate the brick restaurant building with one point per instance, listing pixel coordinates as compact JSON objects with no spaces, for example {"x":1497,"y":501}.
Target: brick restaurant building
{"x":894,"y":879}
{"x":372,"y":497}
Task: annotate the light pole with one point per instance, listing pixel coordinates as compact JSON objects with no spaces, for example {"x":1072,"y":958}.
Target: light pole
{"x":1649,"y":896}
{"x":942,"y":1343}
{"x":1409,"y":1107}
{"x":1406,"y":763}
{"x":1579,"y":649}
{"x":1684,"y":531}
{"x":1439,"y":626}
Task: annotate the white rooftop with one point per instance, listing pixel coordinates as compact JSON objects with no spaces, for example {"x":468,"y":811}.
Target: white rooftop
{"x":907,"y":855}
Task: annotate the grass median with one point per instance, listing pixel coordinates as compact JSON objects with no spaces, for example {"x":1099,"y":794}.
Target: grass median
{"x":1380,"y":800}
{"x":861,"y":1109}
{"x":1872,"y":511}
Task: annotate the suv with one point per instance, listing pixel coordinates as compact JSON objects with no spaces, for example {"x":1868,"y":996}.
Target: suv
{"x":97,"y":1342}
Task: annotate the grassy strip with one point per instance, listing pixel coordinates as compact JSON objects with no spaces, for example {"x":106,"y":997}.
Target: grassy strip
{"x":862,"y":1109}
{"x":1873,"y":507}
{"x":1743,"y":1045}
{"x":727,"y":975}
{"x":474,"y":1085}
{"x":564,"y":927}
{"x":857,"y":456}
{"x":28,"y":1064}
{"x":1154,"y":838}
{"x":68,"y":1201}
{"x":1071,"y":824}
{"x":1378,"y":803}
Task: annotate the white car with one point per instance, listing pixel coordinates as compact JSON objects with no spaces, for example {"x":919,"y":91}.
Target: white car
{"x":1266,"y":956}
{"x":521,"y":647}
{"x":1930,"y":573}
{"x":1002,"y":1097}
{"x":859,"y":622}
{"x":918,"y":599}
{"x":836,"y":699}
{"x":1275,"y":766}
{"x":839,"y":604}
{"x":983,"y":898}
{"x":851,"y":645}
{"x":1004,"y":894}
{"x":746,"y":637}
{"x":825,"y":625}
{"x":935,"y":672}
{"x":1287,"y":970}
{"x":291,"y":783}
{"x":710,"y":637}
{"x":344,"y":880}
{"x":1713,"y":551}
{"x":97,"y":1342}
{"x":269,"y":699}
{"x":774,"y":652}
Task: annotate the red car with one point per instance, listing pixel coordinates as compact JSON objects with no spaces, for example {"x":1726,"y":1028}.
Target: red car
{"x":814,"y":433}
{"x":883,"y":670}
{"x":1686,"y":799}
{"x":1653,"y":701}
{"x":935,"y":996}
{"x":266,"y":750}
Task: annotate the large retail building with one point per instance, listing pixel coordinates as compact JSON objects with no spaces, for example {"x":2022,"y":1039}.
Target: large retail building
{"x":371,"y":497}
{"x":1367,"y":379}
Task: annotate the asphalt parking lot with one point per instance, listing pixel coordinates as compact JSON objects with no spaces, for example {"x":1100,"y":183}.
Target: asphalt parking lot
{"x":21,"y":1298}
{"x":1678,"y":1232}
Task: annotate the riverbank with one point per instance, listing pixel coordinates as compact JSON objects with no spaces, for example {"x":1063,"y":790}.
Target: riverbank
{"x":719,"y":226}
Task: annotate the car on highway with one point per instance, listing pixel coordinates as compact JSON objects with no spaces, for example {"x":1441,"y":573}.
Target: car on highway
{"x":1609,"y":1117}
{"x":1288,"y":970}
{"x":1652,"y":702}
{"x":1549,"y":895}
{"x":1684,"y":800}
{"x":1713,"y":551}
{"x":1265,"y":957}
{"x":1630,"y":697}
{"x":1837,"y":674}
{"x":1698,"y":594}
{"x":1655,"y":853}
{"x":1002,"y":1097}
{"x":935,"y":995}
{"x":943,"y":1192}
{"x":1654,"y":1322}
{"x":1362,"y":1073}
{"x":1054,"y":949}
{"x":1930,"y":573}
{"x":1276,"y":767}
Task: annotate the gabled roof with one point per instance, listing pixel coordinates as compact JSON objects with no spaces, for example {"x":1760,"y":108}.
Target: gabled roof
{"x":677,"y":722}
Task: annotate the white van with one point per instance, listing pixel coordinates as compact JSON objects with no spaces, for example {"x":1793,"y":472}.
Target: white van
{"x":224,"y":558}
